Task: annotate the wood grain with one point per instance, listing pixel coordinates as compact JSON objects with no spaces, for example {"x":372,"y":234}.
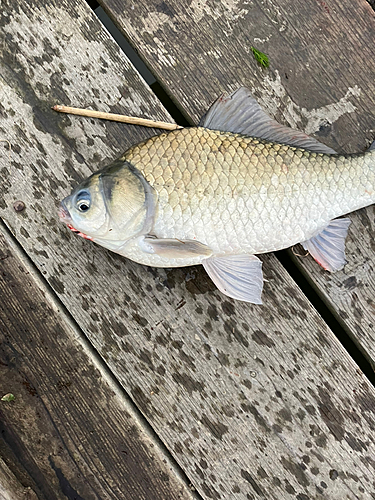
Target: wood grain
{"x":69,"y":433}
{"x":253,"y":402}
{"x":320,"y":80}
{"x":11,"y":488}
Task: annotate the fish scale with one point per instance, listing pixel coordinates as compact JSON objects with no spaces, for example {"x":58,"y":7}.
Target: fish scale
{"x":247,"y":195}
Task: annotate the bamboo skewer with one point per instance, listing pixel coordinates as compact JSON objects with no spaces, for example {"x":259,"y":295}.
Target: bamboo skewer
{"x":117,"y":118}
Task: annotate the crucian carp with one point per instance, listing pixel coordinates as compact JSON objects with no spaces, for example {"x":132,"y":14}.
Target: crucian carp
{"x":238,"y":185}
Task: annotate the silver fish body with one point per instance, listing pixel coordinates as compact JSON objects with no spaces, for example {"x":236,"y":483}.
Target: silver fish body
{"x":238,"y":194}
{"x":218,"y":198}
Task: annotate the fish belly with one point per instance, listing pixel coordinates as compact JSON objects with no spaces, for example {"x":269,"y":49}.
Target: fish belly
{"x":238,"y":194}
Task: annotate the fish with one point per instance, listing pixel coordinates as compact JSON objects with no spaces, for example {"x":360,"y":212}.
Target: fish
{"x":238,"y":185}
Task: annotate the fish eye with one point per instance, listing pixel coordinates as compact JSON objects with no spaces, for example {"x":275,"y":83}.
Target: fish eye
{"x":83,"y":200}
{"x":83,"y":206}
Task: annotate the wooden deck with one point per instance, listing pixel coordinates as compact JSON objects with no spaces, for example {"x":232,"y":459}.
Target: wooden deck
{"x":140,"y":383}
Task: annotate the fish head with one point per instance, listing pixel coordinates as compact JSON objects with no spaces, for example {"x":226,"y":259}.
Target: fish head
{"x":84,"y":210}
{"x":113,"y":205}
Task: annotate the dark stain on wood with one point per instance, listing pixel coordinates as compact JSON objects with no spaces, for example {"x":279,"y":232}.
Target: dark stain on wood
{"x":246,"y":475}
{"x":65,"y":485}
{"x":262,"y":338}
{"x":331,"y":416}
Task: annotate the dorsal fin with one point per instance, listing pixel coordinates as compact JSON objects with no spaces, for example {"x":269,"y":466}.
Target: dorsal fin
{"x":240,"y":113}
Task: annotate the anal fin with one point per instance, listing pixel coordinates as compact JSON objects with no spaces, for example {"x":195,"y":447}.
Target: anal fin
{"x":238,"y":276}
{"x":328,"y":247}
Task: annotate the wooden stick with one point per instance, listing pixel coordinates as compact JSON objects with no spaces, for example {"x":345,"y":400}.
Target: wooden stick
{"x":117,"y":118}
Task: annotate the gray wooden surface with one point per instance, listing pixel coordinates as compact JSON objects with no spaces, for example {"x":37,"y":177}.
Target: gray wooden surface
{"x":69,"y":433}
{"x":321,"y":80}
{"x":11,"y":488}
{"x":253,"y":402}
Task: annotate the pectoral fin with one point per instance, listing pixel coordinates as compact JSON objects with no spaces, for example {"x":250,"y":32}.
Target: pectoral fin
{"x":175,"y":249}
{"x":328,"y":247}
{"x":238,"y":276}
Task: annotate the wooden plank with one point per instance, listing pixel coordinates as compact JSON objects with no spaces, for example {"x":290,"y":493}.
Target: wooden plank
{"x":11,"y":488}
{"x":252,"y":401}
{"x":317,"y":81}
{"x":350,"y":292}
{"x":69,"y":432}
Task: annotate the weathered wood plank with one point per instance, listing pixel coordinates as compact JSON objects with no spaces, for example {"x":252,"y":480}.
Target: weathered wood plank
{"x":69,"y":432}
{"x":350,"y":292}
{"x":317,"y":81}
{"x":11,"y":488}
{"x":253,"y":402}
{"x":316,"y":58}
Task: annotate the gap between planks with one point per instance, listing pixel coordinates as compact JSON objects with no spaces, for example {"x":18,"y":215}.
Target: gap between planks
{"x":178,"y":114}
{"x":96,"y":359}
{"x":338,"y":327}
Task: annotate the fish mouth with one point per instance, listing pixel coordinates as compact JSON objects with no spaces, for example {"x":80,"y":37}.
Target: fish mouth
{"x":65,"y":217}
{"x":63,"y":213}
